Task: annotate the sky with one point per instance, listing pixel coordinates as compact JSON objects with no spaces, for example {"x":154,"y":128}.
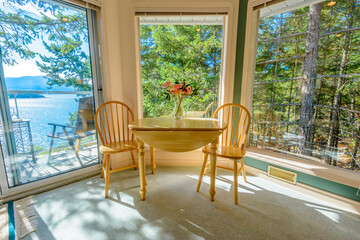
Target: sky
{"x":28,"y":68}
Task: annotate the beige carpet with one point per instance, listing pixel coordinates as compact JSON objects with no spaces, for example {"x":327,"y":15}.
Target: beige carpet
{"x":173,"y":210}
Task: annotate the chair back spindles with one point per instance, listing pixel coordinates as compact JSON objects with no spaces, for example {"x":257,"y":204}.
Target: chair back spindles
{"x":122,"y":119}
{"x":238,"y":119}
{"x":112,"y":119}
{"x":127,"y":124}
{"x":118,"y":119}
{"x":210,"y":109}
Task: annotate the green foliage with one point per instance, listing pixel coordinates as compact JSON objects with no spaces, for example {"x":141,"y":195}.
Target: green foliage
{"x":63,"y":33}
{"x":179,"y":53}
{"x":72,"y":118}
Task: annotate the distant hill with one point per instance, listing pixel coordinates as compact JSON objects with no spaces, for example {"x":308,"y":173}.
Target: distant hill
{"x":32,"y":83}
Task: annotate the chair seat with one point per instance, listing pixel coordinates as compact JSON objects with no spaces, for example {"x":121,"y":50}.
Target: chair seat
{"x":226,"y":151}
{"x":117,"y":147}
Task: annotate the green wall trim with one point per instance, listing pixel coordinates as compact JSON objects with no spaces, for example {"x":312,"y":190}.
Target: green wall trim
{"x":11,"y":215}
{"x":240,"y":43}
{"x":327,"y":185}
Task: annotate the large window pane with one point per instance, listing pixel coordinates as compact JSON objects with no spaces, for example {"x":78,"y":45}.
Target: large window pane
{"x":306,"y":98}
{"x":47,"y":118}
{"x":178,"y":53}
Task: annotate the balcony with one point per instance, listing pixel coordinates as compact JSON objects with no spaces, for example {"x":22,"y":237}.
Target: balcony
{"x":33,"y":135}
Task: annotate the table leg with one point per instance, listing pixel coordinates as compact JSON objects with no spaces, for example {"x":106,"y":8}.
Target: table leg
{"x":152,"y":157}
{"x":213,"y":169}
{"x":141,"y":159}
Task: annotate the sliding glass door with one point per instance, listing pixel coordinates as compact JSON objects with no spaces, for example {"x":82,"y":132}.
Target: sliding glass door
{"x":47,"y":87}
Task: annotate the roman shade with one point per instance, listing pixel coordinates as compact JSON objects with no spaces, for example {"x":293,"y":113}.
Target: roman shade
{"x":181,"y":17}
{"x":270,"y":8}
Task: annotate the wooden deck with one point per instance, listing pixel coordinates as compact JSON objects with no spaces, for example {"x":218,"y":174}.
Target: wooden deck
{"x":61,"y":162}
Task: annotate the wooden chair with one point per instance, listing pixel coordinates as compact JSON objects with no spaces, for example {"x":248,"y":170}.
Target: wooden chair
{"x":210,"y":109}
{"x":112,"y":119}
{"x":232,"y":141}
{"x":84,"y":127}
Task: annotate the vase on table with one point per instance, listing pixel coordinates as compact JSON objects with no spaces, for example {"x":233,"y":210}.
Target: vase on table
{"x":178,"y":112}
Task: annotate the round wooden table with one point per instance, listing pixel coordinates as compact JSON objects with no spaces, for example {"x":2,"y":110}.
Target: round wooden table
{"x":172,"y":135}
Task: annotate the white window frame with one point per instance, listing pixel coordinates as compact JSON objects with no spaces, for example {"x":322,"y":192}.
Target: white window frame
{"x":327,"y":172}
{"x":229,"y":40}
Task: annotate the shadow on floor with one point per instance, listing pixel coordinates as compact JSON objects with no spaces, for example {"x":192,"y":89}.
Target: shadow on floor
{"x":174,"y":210}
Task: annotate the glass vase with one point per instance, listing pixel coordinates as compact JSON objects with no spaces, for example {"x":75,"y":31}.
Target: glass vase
{"x":178,"y":112}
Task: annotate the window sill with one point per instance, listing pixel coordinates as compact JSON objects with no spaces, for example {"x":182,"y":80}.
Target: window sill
{"x":327,"y":172}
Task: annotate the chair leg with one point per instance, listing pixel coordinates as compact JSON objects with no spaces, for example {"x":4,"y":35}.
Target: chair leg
{"x":50,"y":150}
{"x":202,"y":171}
{"x":107,"y":175}
{"x":152,"y":157}
{"x":51,"y":143}
{"x":102,"y":167}
{"x":207,"y":167}
{"x":77,"y":146}
{"x":243,"y":169}
{"x":235,"y":182}
{"x":133,"y":159}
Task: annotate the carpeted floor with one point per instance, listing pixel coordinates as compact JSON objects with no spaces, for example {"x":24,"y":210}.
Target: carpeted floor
{"x":173,"y":210}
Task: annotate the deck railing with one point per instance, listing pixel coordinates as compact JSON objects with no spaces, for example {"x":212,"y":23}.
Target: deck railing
{"x":22,"y":136}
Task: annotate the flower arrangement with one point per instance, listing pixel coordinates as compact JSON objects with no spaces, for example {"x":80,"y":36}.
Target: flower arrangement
{"x":178,"y":91}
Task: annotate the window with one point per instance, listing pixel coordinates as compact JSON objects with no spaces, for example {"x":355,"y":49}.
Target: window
{"x":46,"y":96}
{"x":179,"y":49}
{"x":306,"y":85}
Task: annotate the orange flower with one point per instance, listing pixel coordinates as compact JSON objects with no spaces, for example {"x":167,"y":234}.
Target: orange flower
{"x":167,"y":84}
{"x":178,"y":88}
{"x":188,"y":91}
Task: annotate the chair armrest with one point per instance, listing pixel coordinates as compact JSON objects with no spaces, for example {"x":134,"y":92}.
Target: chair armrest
{"x":60,"y":125}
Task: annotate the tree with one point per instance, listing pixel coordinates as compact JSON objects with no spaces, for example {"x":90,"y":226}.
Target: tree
{"x":19,"y":28}
{"x":308,"y":84}
{"x":67,"y":64}
{"x":335,"y":116}
{"x":66,"y":30}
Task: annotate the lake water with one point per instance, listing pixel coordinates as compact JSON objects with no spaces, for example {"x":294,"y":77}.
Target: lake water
{"x":53,"y":108}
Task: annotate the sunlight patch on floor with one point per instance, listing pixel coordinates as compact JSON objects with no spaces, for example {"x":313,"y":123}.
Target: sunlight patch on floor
{"x":332,"y":214}
{"x":219,"y":184}
{"x":241,"y":183}
{"x":225,"y":182}
{"x":151,"y":231}
{"x":125,"y":198}
{"x":198,"y":227}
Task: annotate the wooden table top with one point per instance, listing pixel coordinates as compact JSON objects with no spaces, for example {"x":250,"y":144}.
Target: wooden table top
{"x":171,"y":124}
